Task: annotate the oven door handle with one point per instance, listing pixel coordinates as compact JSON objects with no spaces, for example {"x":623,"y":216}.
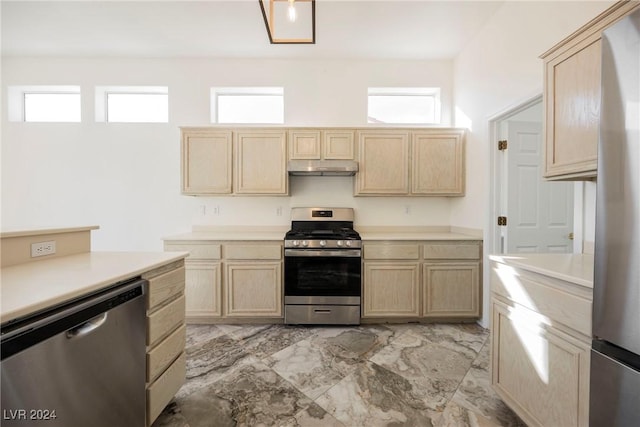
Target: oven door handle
{"x":351,"y":253}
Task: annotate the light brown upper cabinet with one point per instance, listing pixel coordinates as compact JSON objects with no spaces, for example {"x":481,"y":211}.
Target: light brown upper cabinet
{"x":426,"y":162}
{"x":314,"y":144}
{"x":246,"y":161}
{"x":437,"y":166}
{"x":206,"y":161}
{"x":572,"y":98}
{"x":261,"y":162}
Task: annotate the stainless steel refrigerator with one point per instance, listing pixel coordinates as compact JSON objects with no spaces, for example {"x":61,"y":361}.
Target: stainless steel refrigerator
{"x":615,"y":354}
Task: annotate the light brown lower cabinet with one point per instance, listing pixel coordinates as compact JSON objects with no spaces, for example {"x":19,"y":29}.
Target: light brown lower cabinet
{"x":541,"y":343}
{"x":421,"y":280}
{"x":251,"y":289}
{"x":539,"y":371}
{"x":232,"y":280}
{"x":391,"y":290}
{"x":165,"y":337}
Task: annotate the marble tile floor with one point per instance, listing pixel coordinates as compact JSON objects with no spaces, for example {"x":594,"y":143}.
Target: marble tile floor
{"x":369,"y":375}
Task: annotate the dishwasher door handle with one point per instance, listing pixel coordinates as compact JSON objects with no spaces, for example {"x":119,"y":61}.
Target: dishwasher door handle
{"x":87,"y":327}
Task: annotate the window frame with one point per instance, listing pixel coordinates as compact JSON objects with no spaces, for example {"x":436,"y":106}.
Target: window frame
{"x":434,"y":92}
{"x":102,"y":101}
{"x":244,"y":91}
{"x":17,"y":105}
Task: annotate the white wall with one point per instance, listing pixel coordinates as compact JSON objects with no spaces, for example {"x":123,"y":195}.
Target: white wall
{"x":497,"y":71}
{"x":126,"y":177}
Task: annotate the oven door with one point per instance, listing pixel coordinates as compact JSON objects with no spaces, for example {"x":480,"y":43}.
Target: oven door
{"x":322,"y":273}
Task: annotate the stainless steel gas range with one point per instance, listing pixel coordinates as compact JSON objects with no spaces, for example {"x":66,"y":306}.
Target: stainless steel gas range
{"x":322,"y":267}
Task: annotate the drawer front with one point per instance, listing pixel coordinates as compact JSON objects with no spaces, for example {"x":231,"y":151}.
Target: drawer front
{"x":530,"y":291}
{"x":384,"y":252}
{"x":253,"y":252}
{"x":196,"y":250}
{"x":160,"y":393}
{"x":440,"y":251}
{"x":164,"y":287}
{"x":165,"y":320}
{"x":166,"y":351}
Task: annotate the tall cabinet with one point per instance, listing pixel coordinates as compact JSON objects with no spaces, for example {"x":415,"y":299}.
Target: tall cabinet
{"x":572,"y":98}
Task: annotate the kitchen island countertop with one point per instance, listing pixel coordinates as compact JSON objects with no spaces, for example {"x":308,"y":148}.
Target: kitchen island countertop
{"x":35,"y":286}
{"x":573,"y":268}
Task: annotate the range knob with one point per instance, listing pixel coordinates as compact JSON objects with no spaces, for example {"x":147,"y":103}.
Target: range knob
{"x":323,"y":243}
{"x":305,"y":243}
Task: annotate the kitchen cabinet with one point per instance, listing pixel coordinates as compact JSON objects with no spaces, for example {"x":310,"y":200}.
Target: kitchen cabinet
{"x":166,"y":336}
{"x":421,"y":280}
{"x":248,"y":161}
{"x":315,"y":144}
{"x":253,"y":282}
{"x":572,"y":98}
{"x":206,"y":161}
{"x":427,"y":162}
{"x":203,"y":276}
{"x":384,"y":163}
{"x":541,"y":340}
{"x":437,"y":163}
{"x":227,"y":280}
{"x":261,"y":162}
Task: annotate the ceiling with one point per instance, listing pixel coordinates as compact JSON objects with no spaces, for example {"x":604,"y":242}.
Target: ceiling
{"x":235,"y":29}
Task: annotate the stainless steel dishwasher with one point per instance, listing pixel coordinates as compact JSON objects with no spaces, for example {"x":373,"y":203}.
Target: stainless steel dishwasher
{"x":80,"y":364}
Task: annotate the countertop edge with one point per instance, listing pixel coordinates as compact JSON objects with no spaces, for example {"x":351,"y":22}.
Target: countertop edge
{"x":102,"y":280}
{"x":539,"y":263}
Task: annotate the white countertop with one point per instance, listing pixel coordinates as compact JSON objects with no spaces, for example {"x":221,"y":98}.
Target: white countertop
{"x":37,"y":231}
{"x":277,"y":233}
{"x":574,"y":268}
{"x":34,"y":286}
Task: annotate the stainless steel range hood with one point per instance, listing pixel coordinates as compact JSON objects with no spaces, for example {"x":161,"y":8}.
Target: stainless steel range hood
{"x":322,"y":167}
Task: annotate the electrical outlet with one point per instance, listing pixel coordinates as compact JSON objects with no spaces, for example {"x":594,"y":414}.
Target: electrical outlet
{"x":43,"y":248}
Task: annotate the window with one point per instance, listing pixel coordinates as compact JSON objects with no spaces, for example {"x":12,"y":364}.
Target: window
{"x":132,"y":104}
{"x":247,"y":105}
{"x":44,"y":104}
{"x":403,"y":105}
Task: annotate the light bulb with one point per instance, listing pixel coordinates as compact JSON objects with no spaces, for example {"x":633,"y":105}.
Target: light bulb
{"x":291,"y":12}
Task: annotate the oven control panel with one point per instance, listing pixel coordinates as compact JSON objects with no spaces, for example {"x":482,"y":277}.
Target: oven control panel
{"x":321,"y":244}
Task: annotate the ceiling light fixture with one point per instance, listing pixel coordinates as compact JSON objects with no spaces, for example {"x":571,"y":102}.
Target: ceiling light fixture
{"x":290,"y":21}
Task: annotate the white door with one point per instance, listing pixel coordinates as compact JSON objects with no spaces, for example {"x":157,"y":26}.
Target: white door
{"x":539,"y":212}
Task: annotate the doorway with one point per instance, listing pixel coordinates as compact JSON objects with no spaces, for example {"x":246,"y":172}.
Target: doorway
{"x":537,"y":216}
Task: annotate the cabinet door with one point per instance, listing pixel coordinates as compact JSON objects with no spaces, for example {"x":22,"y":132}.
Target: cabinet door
{"x":384,"y":163}
{"x":202,"y":290}
{"x":540,"y":372}
{"x":390,"y":290}
{"x":304,"y":144}
{"x":206,"y":162}
{"x":451,"y":289}
{"x":261,"y":162}
{"x":438,"y":163}
{"x":572,"y":102}
{"x":337,"y":144}
{"x":253,"y":289}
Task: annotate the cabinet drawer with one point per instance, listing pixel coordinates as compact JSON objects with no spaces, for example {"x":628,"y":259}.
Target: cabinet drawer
{"x":164,"y":287}
{"x":196,"y":250}
{"x":160,"y":393}
{"x":440,"y":251}
{"x":541,"y":295}
{"x":253,"y":252}
{"x":161,"y":356}
{"x":165,"y":320}
{"x":384,"y":252}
